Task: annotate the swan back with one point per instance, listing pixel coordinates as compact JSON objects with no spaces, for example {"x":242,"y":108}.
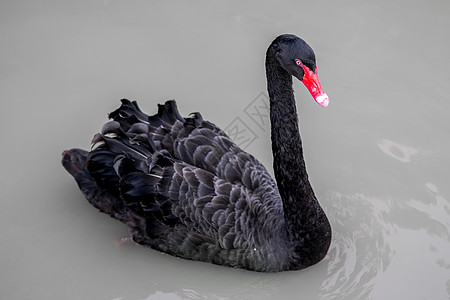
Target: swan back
{"x":184,"y":186}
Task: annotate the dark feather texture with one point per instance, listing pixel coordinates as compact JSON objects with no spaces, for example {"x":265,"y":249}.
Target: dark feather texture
{"x":185,"y":188}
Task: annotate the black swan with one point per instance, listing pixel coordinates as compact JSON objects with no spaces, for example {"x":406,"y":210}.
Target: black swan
{"x":185,"y":188}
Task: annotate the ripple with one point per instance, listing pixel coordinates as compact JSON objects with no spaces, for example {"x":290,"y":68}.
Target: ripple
{"x":375,"y":238}
{"x":432,"y":187}
{"x":359,"y":253}
{"x":397,"y":151}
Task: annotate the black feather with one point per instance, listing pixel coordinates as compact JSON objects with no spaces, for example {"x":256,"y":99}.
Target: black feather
{"x":185,"y":188}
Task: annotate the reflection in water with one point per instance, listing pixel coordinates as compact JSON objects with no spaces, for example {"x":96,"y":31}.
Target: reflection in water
{"x":359,"y":252}
{"x":367,"y":229}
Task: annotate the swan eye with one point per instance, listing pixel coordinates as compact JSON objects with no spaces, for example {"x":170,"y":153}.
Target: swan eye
{"x":298,"y":62}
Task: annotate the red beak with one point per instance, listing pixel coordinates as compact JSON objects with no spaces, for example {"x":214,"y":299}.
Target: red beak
{"x":311,"y":81}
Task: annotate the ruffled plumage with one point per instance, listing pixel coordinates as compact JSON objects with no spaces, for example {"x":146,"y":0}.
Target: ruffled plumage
{"x":185,"y":188}
{"x":183,"y":185}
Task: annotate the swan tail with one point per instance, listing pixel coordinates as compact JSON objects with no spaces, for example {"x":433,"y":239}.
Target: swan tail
{"x":125,"y":160}
{"x":144,"y":189}
{"x":107,"y":201}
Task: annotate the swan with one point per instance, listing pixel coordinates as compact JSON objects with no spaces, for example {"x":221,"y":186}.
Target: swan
{"x":186,"y":189}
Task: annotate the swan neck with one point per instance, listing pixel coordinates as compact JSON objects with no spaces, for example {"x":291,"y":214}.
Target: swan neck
{"x":288,"y":162}
{"x":306,"y":222}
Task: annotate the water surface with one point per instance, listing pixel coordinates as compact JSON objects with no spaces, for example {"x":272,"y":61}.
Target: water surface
{"x":378,"y":156}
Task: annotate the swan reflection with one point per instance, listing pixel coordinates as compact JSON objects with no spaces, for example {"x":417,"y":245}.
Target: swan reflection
{"x":362,"y":262}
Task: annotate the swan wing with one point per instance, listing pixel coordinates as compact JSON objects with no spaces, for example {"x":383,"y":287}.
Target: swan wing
{"x":186,"y":173}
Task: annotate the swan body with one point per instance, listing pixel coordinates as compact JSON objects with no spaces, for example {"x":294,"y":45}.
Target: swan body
{"x":185,"y":188}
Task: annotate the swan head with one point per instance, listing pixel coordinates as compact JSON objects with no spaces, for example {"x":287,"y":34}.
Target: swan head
{"x":298,"y":59}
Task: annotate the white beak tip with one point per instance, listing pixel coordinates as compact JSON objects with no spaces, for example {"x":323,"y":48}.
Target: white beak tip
{"x":323,"y":100}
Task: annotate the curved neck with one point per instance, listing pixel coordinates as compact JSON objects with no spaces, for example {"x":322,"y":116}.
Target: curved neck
{"x":289,"y":165}
{"x":306,"y":222}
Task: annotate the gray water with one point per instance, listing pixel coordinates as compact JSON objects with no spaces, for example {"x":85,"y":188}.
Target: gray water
{"x":378,"y":156}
